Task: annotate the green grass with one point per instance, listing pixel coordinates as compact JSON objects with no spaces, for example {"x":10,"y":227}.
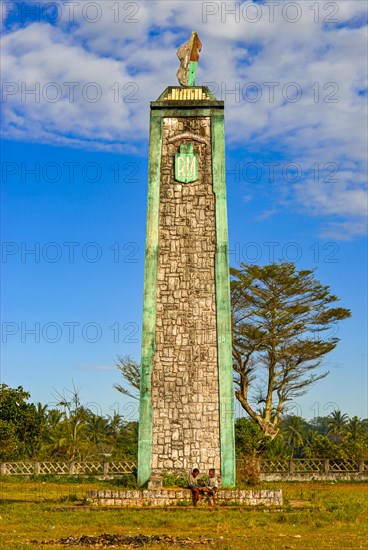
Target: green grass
{"x":314,"y":516}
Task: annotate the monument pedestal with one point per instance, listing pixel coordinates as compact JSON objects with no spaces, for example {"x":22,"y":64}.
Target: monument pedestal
{"x":182,"y":497}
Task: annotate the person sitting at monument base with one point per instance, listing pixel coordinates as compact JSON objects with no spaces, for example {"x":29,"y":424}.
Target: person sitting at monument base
{"x":212,"y":485}
{"x":194,"y":486}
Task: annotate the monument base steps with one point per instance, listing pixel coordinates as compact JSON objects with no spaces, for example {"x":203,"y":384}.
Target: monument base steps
{"x":182,"y":497}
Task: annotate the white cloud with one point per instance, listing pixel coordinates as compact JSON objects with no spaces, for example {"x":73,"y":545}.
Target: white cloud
{"x":96,"y":368}
{"x":325,"y":60}
{"x":40,"y":58}
{"x":344,"y":231}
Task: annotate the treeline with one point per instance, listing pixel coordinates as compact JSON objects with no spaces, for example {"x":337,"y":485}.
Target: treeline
{"x":70,"y":431}
{"x":335,"y":436}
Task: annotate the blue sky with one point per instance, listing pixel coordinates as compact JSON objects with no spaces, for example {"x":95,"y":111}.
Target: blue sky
{"x":74,"y":174}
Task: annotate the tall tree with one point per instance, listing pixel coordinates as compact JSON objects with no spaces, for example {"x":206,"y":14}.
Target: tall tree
{"x":19,"y":423}
{"x":282,"y":325}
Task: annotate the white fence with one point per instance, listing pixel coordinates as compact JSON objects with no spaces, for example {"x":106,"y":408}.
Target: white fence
{"x":67,"y":468}
{"x":302,"y":466}
{"x":313,"y":465}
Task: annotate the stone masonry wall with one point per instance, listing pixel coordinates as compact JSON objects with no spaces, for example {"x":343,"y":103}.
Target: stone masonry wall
{"x":172,"y":497}
{"x":185,"y":386}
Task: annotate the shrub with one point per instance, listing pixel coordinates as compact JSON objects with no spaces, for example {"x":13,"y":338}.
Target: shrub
{"x":171,"y":480}
{"x":248,"y":471}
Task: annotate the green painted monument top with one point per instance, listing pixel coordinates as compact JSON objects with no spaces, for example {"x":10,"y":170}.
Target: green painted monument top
{"x":187,"y":95}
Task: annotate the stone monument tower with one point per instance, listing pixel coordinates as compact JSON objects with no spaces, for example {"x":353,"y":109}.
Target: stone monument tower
{"x":186,"y":397}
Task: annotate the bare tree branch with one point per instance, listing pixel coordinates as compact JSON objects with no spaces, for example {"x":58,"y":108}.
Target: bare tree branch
{"x":130,"y":371}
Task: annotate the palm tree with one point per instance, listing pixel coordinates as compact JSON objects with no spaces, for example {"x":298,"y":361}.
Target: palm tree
{"x":310,"y":443}
{"x":115,"y":425}
{"x":97,"y":428}
{"x":41,"y":412}
{"x":319,"y":424}
{"x":54,"y":417}
{"x":129,"y":438}
{"x":54,"y":442}
{"x":355,"y":428}
{"x":42,"y":427}
{"x":75,"y":417}
{"x":294,"y":432}
{"x":336,"y":425}
{"x":317,"y":446}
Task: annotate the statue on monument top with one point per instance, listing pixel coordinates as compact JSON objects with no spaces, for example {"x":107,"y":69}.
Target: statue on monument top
{"x":188,"y":54}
